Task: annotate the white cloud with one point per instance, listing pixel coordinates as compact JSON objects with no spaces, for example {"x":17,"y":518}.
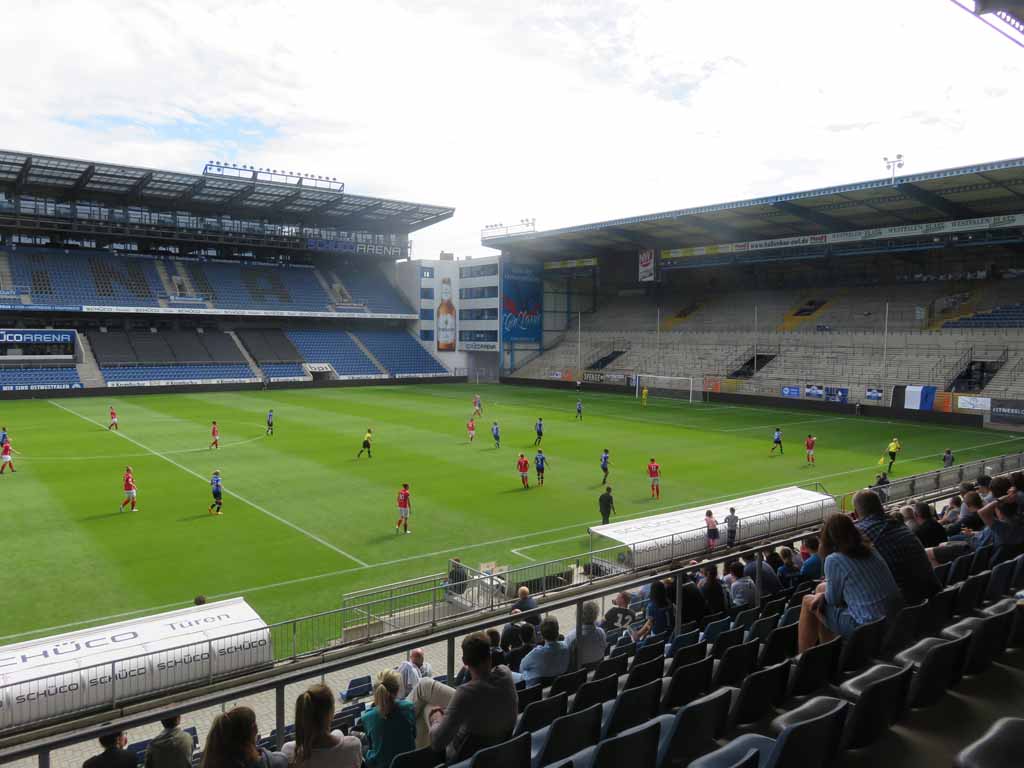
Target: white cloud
{"x":564,"y":111}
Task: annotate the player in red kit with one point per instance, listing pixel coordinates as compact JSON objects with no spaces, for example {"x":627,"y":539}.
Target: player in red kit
{"x":129,"y":490}
{"x":809,"y":445}
{"x":113,"y":420}
{"x":523,"y":465}
{"x":654,"y":472}
{"x":404,"y":508}
{"x":5,"y":457}
{"x":215,"y":434}
{"x":471,"y":429}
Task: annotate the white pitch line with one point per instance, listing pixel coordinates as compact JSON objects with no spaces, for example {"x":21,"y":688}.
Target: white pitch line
{"x":779,"y":424}
{"x":238,"y":496}
{"x":176,"y":452}
{"x":452,"y":550}
{"x":525,"y":557}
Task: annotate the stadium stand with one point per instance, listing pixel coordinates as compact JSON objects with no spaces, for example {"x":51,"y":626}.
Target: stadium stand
{"x":368,"y":286}
{"x":140,"y":356}
{"x":85,"y":278}
{"x":171,"y":373}
{"x":336,"y":348}
{"x":400,"y":353}
{"x":63,"y":377}
{"x":244,"y":286}
{"x":274,"y":352}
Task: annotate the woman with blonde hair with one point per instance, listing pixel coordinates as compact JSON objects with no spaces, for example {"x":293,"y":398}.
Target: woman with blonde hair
{"x":316,"y":745}
{"x":231,"y":743}
{"x":390,"y":724}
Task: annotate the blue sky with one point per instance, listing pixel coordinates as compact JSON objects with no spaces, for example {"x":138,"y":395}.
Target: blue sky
{"x":562,"y":111}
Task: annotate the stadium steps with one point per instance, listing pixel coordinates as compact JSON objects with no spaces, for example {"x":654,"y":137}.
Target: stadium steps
{"x":327,"y":288}
{"x":186,"y":279}
{"x":88,"y":371}
{"x":368,"y":353}
{"x":6,"y":276}
{"x":256,"y":370}
{"x":165,"y":281}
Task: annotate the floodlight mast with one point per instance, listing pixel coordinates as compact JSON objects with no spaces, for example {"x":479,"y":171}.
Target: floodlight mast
{"x":892,"y":165}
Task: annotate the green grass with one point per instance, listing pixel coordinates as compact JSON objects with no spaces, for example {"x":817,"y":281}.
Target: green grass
{"x":313,"y":522}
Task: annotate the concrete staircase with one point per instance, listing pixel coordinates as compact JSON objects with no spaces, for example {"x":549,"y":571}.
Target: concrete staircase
{"x":6,"y":276}
{"x":88,"y":370}
{"x":248,"y":358}
{"x":186,"y":279}
{"x":368,"y":353}
{"x":327,"y":288}
{"x":165,"y":280}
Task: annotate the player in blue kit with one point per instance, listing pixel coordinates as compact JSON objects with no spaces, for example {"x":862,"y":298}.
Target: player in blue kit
{"x":540,"y":462}
{"x":270,"y":422}
{"x":579,"y":410}
{"x":496,"y":434}
{"x":539,"y":429}
{"x":605,"y":458}
{"x":217,"y":489}
{"x":777,"y":441}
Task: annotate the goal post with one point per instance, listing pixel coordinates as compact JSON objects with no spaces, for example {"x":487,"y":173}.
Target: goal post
{"x":679,"y":387}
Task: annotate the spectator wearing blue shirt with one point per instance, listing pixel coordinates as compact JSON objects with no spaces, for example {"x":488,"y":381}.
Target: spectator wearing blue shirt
{"x":659,"y":612}
{"x":547,"y":661}
{"x":859,"y":587}
{"x":742,"y":590}
{"x":788,"y":572}
{"x":811,"y":569}
{"x":1003,"y":531}
{"x":526,"y":603}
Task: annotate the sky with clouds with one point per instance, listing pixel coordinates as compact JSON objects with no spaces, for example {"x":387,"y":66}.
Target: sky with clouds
{"x":562,"y":111}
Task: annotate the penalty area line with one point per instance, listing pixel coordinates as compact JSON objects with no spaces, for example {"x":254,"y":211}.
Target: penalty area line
{"x":254,"y":505}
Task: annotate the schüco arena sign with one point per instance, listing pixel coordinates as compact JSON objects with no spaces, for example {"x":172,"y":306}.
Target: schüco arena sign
{"x":22,"y":336}
{"x":98,"y":667}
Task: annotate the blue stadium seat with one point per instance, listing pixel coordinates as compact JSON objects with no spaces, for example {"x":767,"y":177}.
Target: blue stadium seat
{"x":213,"y":372}
{"x":400,"y":353}
{"x":283,"y":370}
{"x":39,"y":378}
{"x":336,"y":348}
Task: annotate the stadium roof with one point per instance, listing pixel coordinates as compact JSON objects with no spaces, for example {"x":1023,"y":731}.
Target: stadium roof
{"x":987,"y":189}
{"x":27,"y":173}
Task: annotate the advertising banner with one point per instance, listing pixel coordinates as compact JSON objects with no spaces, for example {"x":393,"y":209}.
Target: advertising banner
{"x":19,"y":336}
{"x":880,"y":233}
{"x":973,"y":403}
{"x":837,"y":394}
{"x":814,"y":390}
{"x":646,"y":265}
{"x":1008,"y":411}
{"x":522,"y":302}
{"x":570,"y":264}
{"x":874,"y":394}
{"x":793,"y":391}
{"x":79,"y":670}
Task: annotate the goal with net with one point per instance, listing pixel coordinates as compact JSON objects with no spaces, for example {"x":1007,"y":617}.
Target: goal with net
{"x":678,"y":387}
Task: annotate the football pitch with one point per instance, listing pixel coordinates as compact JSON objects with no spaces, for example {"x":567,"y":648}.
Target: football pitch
{"x":306,"y":521}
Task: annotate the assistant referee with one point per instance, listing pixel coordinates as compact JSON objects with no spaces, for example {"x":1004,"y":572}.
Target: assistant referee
{"x":606,"y":504}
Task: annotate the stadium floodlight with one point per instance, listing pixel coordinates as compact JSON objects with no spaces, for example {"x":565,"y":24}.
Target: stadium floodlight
{"x":892,"y":165}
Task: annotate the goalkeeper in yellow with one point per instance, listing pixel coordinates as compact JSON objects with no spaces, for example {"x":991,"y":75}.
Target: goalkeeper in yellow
{"x":643,"y":397}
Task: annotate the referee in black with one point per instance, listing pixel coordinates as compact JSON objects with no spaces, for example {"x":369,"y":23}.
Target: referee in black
{"x":607,"y":505}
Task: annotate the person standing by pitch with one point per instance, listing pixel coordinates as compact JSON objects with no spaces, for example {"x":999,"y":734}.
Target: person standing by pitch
{"x":606,"y":504}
